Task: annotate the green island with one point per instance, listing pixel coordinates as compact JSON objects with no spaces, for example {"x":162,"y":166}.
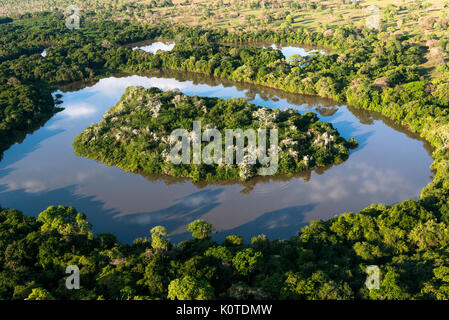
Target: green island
{"x":399,"y":71}
{"x":135,"y":135}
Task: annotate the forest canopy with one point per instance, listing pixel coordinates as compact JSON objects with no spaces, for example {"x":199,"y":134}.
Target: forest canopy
{"x":135,"y":135}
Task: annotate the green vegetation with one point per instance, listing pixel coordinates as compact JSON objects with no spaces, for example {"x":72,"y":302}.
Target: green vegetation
{"x":5,"y":20}
{"x":392,"y":73}
{"x":408,"y":17}
{"x":23,"y":108}
{"x":327,"y":260}
{"x":135,"y":136}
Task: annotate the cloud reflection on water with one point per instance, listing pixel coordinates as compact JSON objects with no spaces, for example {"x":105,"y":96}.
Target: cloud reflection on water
{"x":387,"y":167}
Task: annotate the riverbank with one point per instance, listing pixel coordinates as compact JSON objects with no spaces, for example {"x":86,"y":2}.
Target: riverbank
{"x":408,"y":241}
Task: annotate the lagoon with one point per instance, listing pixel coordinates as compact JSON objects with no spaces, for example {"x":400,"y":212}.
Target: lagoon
{"x":390,"y":165}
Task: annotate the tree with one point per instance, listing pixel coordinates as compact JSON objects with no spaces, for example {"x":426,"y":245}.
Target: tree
{"x":190,"y":288}
{"x":157,"y":236}
{"x":200,"y":229}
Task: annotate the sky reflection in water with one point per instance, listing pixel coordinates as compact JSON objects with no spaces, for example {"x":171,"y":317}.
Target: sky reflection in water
{"x":388,"y":167}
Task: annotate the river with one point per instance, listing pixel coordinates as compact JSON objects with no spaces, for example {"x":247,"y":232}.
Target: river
{"x":390,"y":165}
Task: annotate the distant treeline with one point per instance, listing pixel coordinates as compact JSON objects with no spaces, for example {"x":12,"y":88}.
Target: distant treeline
{"x":367,"y":69}
{"x":135,"y":135}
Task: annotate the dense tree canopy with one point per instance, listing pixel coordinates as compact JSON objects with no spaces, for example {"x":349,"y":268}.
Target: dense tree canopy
{"x":327,"y":260}
{"x":135,"y":135}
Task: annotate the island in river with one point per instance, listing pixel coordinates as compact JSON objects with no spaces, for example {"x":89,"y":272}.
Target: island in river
{"x":137,"y":136}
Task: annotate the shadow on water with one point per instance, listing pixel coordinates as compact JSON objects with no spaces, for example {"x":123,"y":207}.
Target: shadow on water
{"x":274,"y":224}
{"x":347,"y":130}
{"x":125,"y":227}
